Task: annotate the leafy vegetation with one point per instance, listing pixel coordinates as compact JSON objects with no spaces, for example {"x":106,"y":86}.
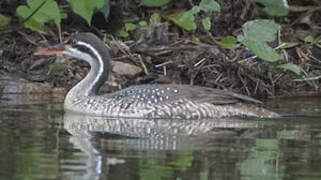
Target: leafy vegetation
{"x":313,"y":41}
{"x":186,"y":19}
{"x":86,"y":8}
{"x":39,"y":12}
{"x":256,"y":35}
{"x":124,"y":32}
{"x":4,"y":21}
{"x":291,"y":67}
{"x":258,"y":39}
{"x":128,"y":27}
{"x":206,"y":23}
{"x":153,"y":3}
{"x":228,"y":42}
{"x":275,"y":7}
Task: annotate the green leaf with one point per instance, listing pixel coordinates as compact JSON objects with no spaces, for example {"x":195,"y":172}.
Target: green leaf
{"x":48,"y":12}
{"x":193,"y":11}
{"x":228,"y":42}
{"x":34,"y":25}
{"x":309,"y":39}
{"x":155,"y":18}
{"x":57,"y":68}
{"x":261,"y":49}
{"x":4,"y":21}
{"x":256,"y":34}
{"x":206,"y":23}
{"x":291,"y":67}
{"x":105,"y":10}
{"x":275,"y":7}
{"x":130,"y":27}
{"x":85,"y":8}
{"x":143,"y":23}
{"x":209,"y":6}
{"x":261,"y":30}
{"x":197,"y":39}
{"x":184,"y":20}
{"x":154,"y":3}
{"x":123,"y":33}
{"x":64,"y":15}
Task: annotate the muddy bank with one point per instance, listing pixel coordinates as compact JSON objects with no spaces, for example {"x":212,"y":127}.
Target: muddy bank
{"x":165,"y":54}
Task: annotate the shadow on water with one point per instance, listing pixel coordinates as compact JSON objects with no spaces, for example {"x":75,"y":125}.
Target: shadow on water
{"x":39,"y":141}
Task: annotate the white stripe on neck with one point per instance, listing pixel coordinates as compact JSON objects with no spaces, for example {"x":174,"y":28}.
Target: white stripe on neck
{"x":100,"y":62}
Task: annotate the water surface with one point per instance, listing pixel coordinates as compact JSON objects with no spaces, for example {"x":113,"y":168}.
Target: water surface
{"x":39,"y":141}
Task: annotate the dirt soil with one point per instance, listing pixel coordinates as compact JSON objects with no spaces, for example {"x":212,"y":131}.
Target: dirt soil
{"x":164,"y":53}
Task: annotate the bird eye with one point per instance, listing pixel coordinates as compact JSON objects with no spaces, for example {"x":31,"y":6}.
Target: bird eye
{"x":72,"y":41}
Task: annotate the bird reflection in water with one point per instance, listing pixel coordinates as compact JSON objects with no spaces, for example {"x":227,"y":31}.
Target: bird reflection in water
{"x":89,"y":132}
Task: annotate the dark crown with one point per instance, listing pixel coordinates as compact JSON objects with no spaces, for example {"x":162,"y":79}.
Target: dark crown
{"x":91,"y":40}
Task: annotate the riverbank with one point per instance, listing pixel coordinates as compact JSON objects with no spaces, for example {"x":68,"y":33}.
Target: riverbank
{"x":165,"y":54}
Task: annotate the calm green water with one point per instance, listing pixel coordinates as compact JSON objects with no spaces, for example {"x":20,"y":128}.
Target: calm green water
{"x":39,"y":141}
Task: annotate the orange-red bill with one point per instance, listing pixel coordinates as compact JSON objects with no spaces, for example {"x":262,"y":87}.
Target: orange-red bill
{"x":47,"y":52}
{"x":50,"y":50}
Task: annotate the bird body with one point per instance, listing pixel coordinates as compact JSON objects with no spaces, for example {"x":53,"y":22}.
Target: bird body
{"x":145,"y":101}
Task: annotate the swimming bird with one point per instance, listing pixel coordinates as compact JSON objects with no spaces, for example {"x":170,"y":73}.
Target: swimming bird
{"x":144,"y":101}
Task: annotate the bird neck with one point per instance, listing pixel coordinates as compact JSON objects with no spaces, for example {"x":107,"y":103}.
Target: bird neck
{"x":90,"y":85}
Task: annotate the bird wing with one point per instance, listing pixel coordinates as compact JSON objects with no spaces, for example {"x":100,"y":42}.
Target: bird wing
{"x":172,"y":93}
{"x":213,"y":96}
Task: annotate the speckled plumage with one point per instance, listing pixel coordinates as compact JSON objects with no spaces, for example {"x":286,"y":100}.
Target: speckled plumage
{"x":171,"y":101}
{"x":147,"y":101}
